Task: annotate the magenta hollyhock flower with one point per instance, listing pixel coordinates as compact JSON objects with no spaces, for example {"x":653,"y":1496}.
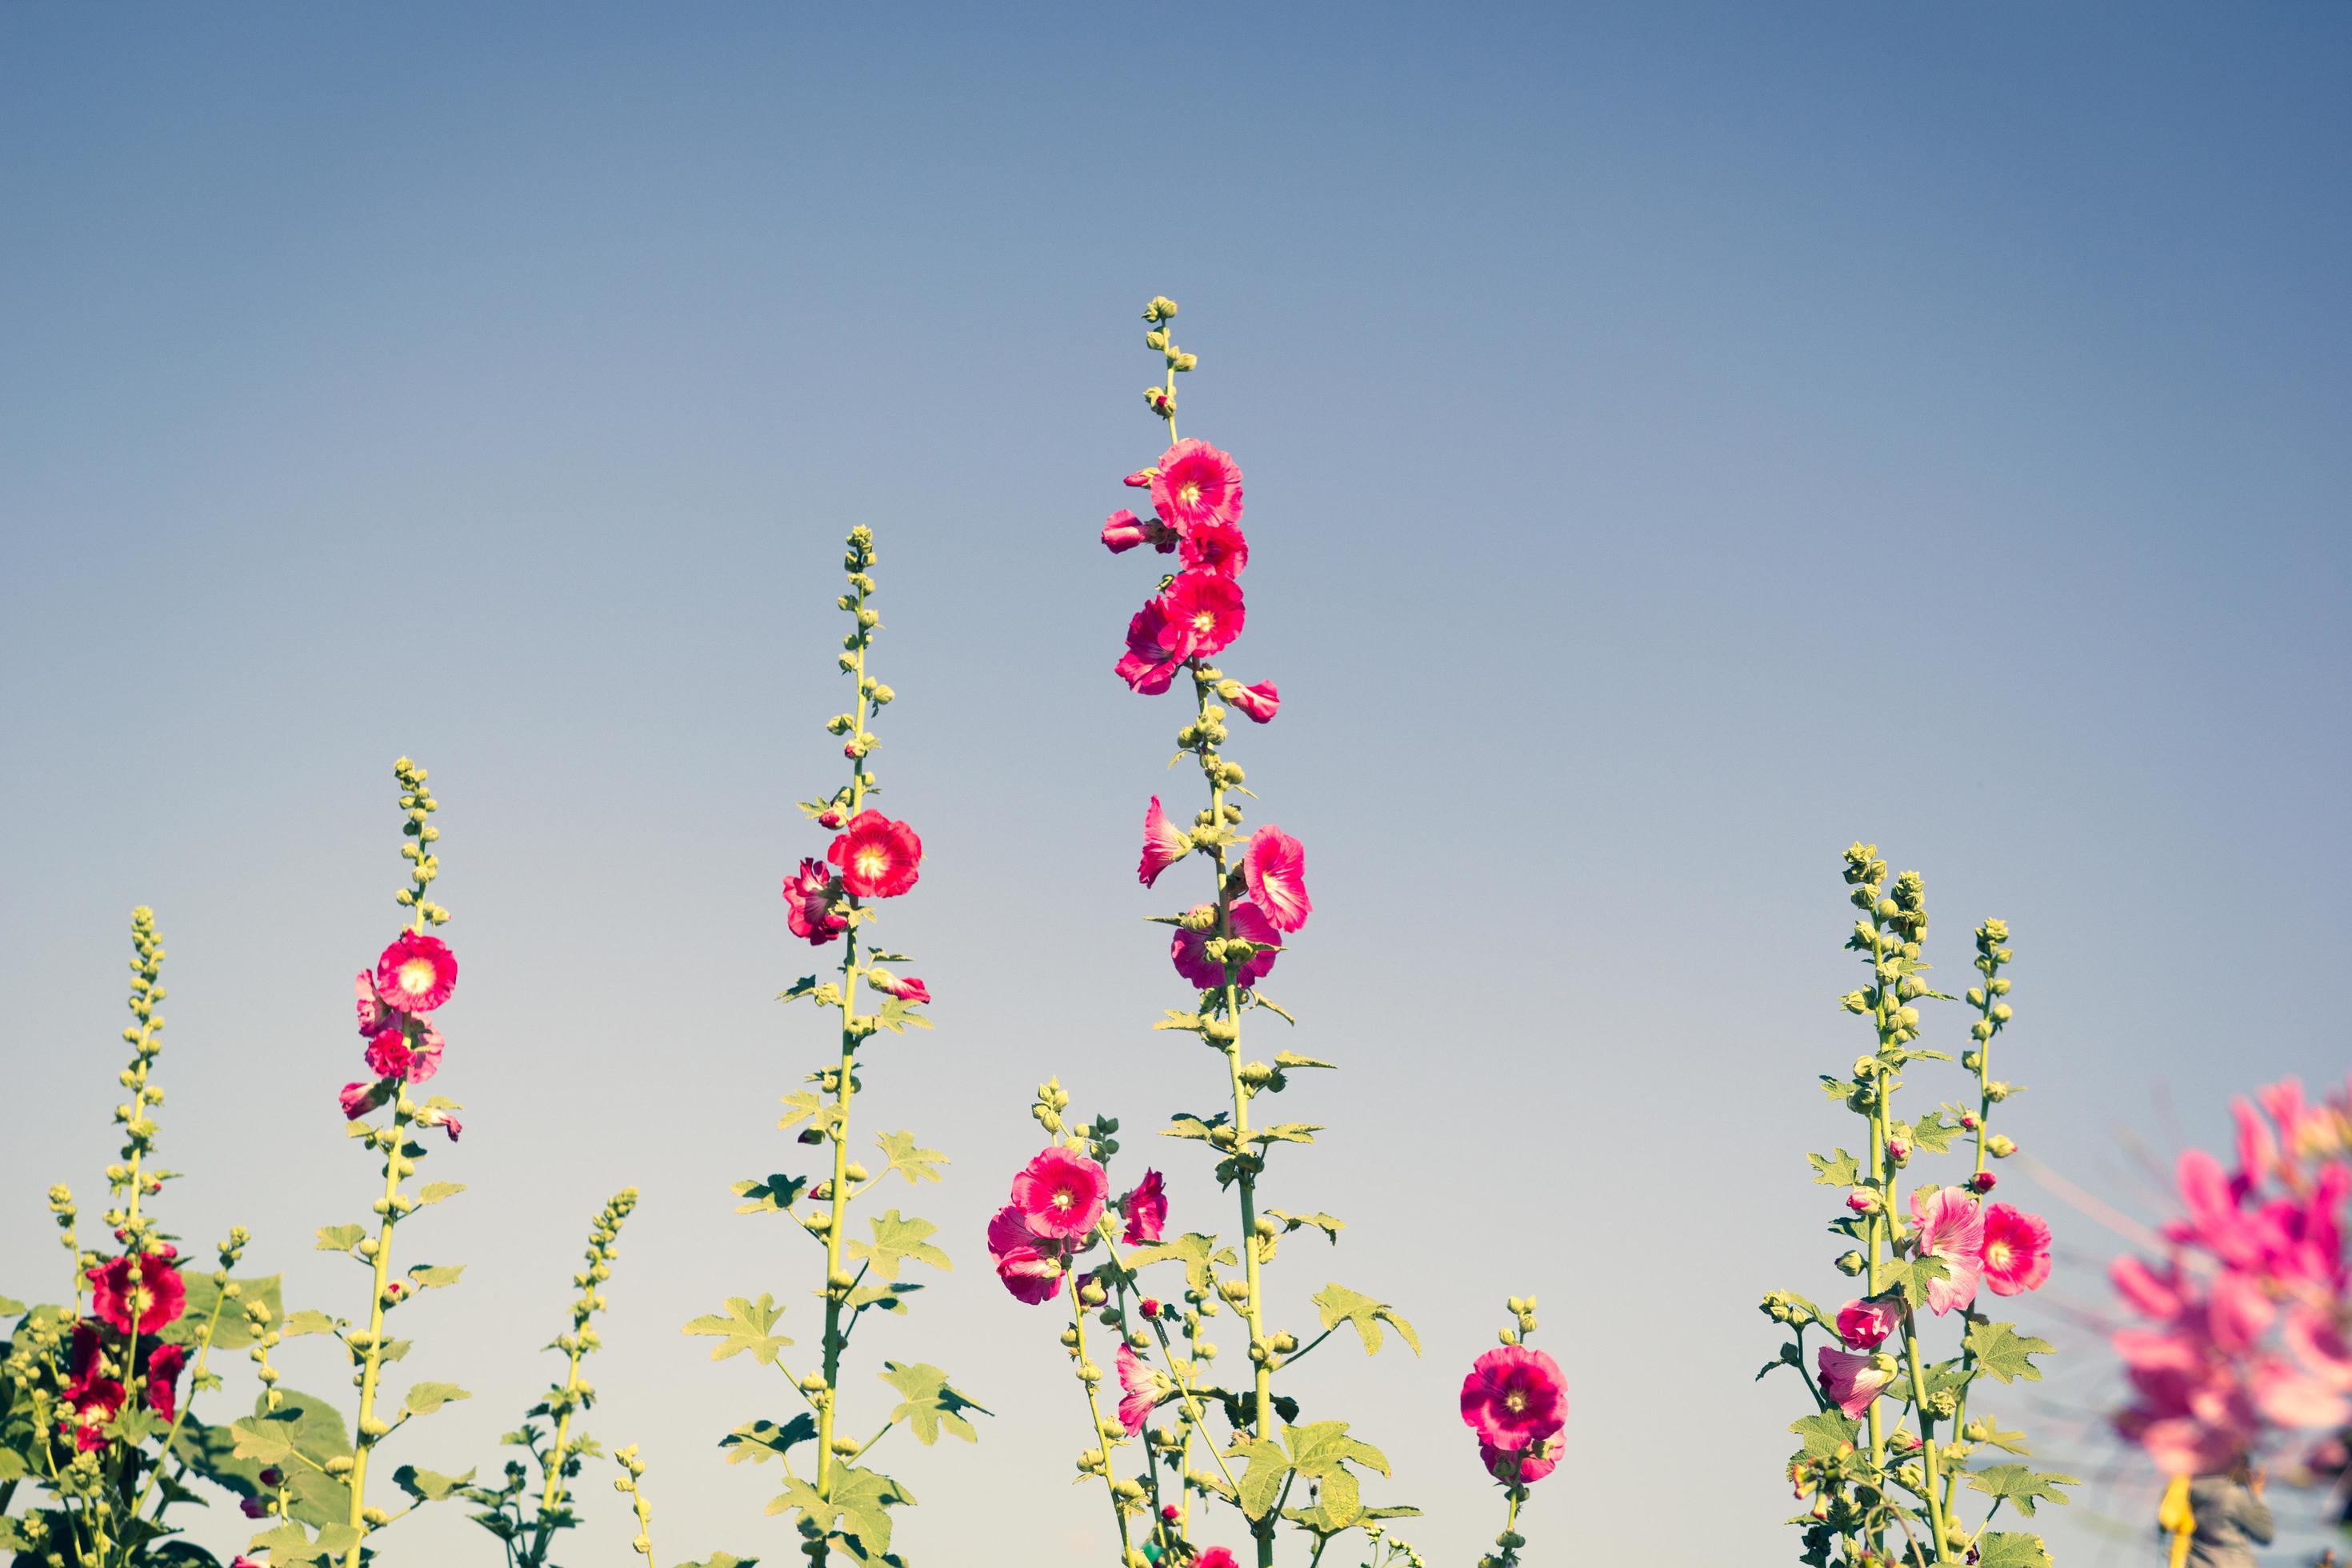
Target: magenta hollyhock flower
{"x":1023,"y":1263}
{"x":1189,"y":950}
{"x":145,"y":1290}
{"x":424,"y":1054}
{"x":1139,"y":480}
{"x":1852,"y":1382}
{"x":88,"y":1406}
{"x":435,"y":1116}
{"x":416,"y":973}
{"x":1864,"y":1325}
{"x":163,"y":1367}
{"x":1526,"y":1466}
{"x":2016,"y":1250}
{"x":809,"y":893}
{"x":1141,"y":1388}
{"x":1164,"y":844}
{"x":1259,"y":704}
{"x":1950,"y":1227}
{"x":1123,"y":532}
{"x":879,"y":859}
{"x":1148,"y":666}
{"x":359,"y":1099}
{"x":1217,"y":547}
{"x":1061,"y":1195}
{"x":911,"y":989}
{"x":1146,"y":1209}
{"x":373,"y":1013}
{"x":2157,"y":1296}
{"x":388,"y":1055}
{"x":1202,"y":614}
{"x":1276,"y":868}
{"x":1197,"y":485}
{"x":1215,"y":1557}
{"x":1515,"y":1396}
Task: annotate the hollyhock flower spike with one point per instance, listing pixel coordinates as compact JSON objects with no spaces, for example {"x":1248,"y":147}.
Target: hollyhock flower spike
{"x":1217,"y":547}
{"x":88,"y":1406}
{"x":1164,"y":844}
{"x":879,"y":859}
{"x":1277,"y":868}
{"x":416,"y":973}
{"x":1197,"y":486}
{"x":388,"y":1055}
{"x":1523,"y":1466}
{"x":163,"y":1367}
{"x":1141,"y":1389}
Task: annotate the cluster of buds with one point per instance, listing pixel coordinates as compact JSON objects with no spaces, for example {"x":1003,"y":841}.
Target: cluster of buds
{"x":633,"y":1472}
{"x":1161,"y":399}
{"x":417,"y":801}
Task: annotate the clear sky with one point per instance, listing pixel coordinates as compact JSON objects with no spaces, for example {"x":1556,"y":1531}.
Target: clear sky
{"x":1680,"y":440}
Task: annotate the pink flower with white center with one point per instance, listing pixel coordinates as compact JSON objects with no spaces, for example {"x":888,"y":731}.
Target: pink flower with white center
{"x":1197,"y":485}
{"x":1259,"y":704}
{"x":1525,"y":1465}
{"x":1164,"y":844}
{"x":1853,"y":1381}
{"x":1515,"y":1396}
{"x":911,"y":989}
{"x":879,"y":859}
{"x":809,"y":893}
{"x":1123,"y":532}
{"x":373,"y":1013}
{"x":1202,"y":614}
{"x":388,"y":1055}
{"x":1864,"y":1325}
{"x":1061,"y":1195}
{"x":1217,"y":547}
{"x":1148,"y":666}
{"x":1951,"y":1228}
{"x":359,"y":1099}
{"x":1146,"y":1209}
{"x":1189,"y":950}
{"x":416,"y":973}
{"x":1142,"y":1390}
{"x":2016,"y":1250}
{"x":1275,"y":866}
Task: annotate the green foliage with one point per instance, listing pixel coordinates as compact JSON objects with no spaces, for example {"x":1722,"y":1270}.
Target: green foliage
{"x":2021,"y":1487}
{"x":1196,"y":1251}
{"x":777,"y":1195}
{"x":1839,"y":1168}
{"x":1336,"y":1304}
{"x":759,"y":1441}
{"x":299,"y":1438}
{"x":742,"y":1327}
{"x":425,"y":1398}
{"x":898,"y":1240}
{"x":2005,"y":1352}
{"x":2005,"y":1549}
{"x":928,"y":1403}
{"x":855,"y":1504}
{"x":918,"y":1166}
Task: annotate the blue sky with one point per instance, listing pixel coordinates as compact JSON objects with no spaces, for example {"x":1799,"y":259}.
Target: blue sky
{"x":1680,"y":440}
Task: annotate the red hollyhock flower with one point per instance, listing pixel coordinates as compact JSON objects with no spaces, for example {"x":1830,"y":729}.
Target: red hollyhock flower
{"x":1215,"y":1557}
{"x":1061,"y":1195}
{"x":1028,"y":1264}
{"x":2016,"y":1250}
{"x":388,"y":1055}
{"x":909,"y":989}
{"x":879,"y":859}
{"x":1123,"y":532}
{"x":1864,"y":1325}
{"x":1189,"y":950}
{"x":1515,"y":1396}
{"x":1258,"y":703}
{"x":1138,"y":481}
{"x":359,"y":1099}
{"x":1277,"y":868}
{"x":1218,"y":547}
{"x":88,"y":1406}
{"x":1164,"y":844}
{"x":1534,"y":1462}
{"x":416,"y":973}
{"x":1146,"y":1209}
{"x":163,"y":1368}
{"x":1148,"y":666}
{"x":1197,"y":484}
{"x":146,"y":1290}
{"x":1203,"y":613}
{"x":373,"y":1012}
{"x":809,"y":893}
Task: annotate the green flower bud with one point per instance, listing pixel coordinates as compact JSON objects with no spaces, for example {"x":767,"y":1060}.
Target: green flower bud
{"x":1852,"y":1263}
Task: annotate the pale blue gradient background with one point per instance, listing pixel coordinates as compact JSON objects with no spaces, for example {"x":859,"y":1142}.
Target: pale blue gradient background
{"x":1680,"y":440}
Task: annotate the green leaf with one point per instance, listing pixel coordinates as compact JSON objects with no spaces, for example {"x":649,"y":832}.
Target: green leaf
{"x":339,"y":1540}
{"x":425,"y":1398}
{"x":304,"y":1424}
{"x":1325,"y":1223}
{"x":286,"y":1543}
{"x":1288,"y":1132}
{"x":1261,"y":1484}
{"x":896,"y":1240}
{"x":431,"y":1277}
{"x":898,"y":1013}
{"x":1336,"y":1304}
{"x":1194,"y":1127}
{"x":309,"y":1320}
{"x":235,"y":1330}
{"x":2007,"y":1549}
{"x":929,"y":1403}
{"x":890,"y":1298}
{"x":1838,"y":1169}
{"x":1912,"y":1276}
{"x":743,"y":1326}
{"x":723,"y":1559}
{"x":1197,"y":1251}
{"x":1825,"y":1433}
{"x":2002,"y":1350}
{"x":805,"y":986}
{"x":1321,"y":1450}
{"x":807,"y":1105}
{"x":2023,"y":1487}
{"x":1994,"y":1438}
{"x":438,"y":1191}
{"x":12,"y":1308}
{"x":757,"y":1440}
{"x":1293,"y":1059}
{"x":857,"y":1500}
{"x":340,"y":1238}
{"x":1933,"y":1134}
{"x":918,"y":1166}
{"x":777,"y":1195}
{"x":425,"y":1486}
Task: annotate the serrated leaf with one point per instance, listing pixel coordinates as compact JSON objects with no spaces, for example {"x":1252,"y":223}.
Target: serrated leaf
{"x":1330,"y":1226}
{"x":858,"y":1499}
{"x":434,"y":1277}
{"x":425,"y":1398}
{"x":2005,"y":1352}
{"x":1836,"y":1169}
{"x":890,"y":1298}
{"x":1994,"y":1438}
{"x":2022,"y":1486}
{"x":339,"y":1540}
{"x":340,"y":1238}
{"x":439,"y":1192}
{"x":806,"y":1105}
{"x":805,"y":986}
{"x":427,"y":1486}
{"x":743,"y":1326}
{"x":1933,"y":1134}
{"x":1196,"y":1251}
{"x":1190,"y":1127}
{"x":1336,"y":1304}
{"x":898,"y":1240}
{"x":287,"y":1542}
{"x":897,"y":1014}
{"x":928,"y":1403}
{"x":918,"y":1166}
{"x":1912,"y":1276}
{"x":304,"y":1424}
{"x":2010,"y":1549}
{"x":757,"y":1440}
{"x":1825,"y":1433}
{"x":1286,"y":1132}
{"x":235,"y":1330}
{"x":1261,"y":1484}
{"x":777,"y":1195}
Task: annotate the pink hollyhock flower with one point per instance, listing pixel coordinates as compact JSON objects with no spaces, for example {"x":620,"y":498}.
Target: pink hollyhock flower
{"x":2140,"y":1285}
{"x":437,"y":1116}
{"x":359,"y":1099}
{"x":1215,"y":1557}
{"x":373,"y":1013}
{"x":1164,"y":844}
{"x":1123,"y":532}
{"x":424,"y":1054}
{"x":88,"y":1406}
{"x":1259,"y":704}
{"x":1146,"y":1209}
{"x":1217,"y":547}
{"x":909,"y":989}
{"x":2289,"y":1396}
{"x":163,"y":1368}
{"x":145,"y":1290}
{"x":1139,"y":479}
{"x":1149,"y":665}
{"x":1061,"y":1195}
{"x":1197,"y":485}
{"x":809,"y":893}
{"x":388,"y":1055}
{"x":1515,"y":1396}
{"x":1864,"y":1325}
{"x":1982,"y":1181}
{"x":1852,"y":1382}
{"x":1952,"y":1228}
{"x":1189,"y":950}
{"x":1202,"y":614}
{"x":1276,"y":868}
{"x":416,"y":973}
{"x":1031,"y":1275}
{"x":2016,"y":1250}
{"x":879,"y":859}
{"x":1533,"y":1462}
{"x":1862,"y":1200}
{"x":1142,"y":1390}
